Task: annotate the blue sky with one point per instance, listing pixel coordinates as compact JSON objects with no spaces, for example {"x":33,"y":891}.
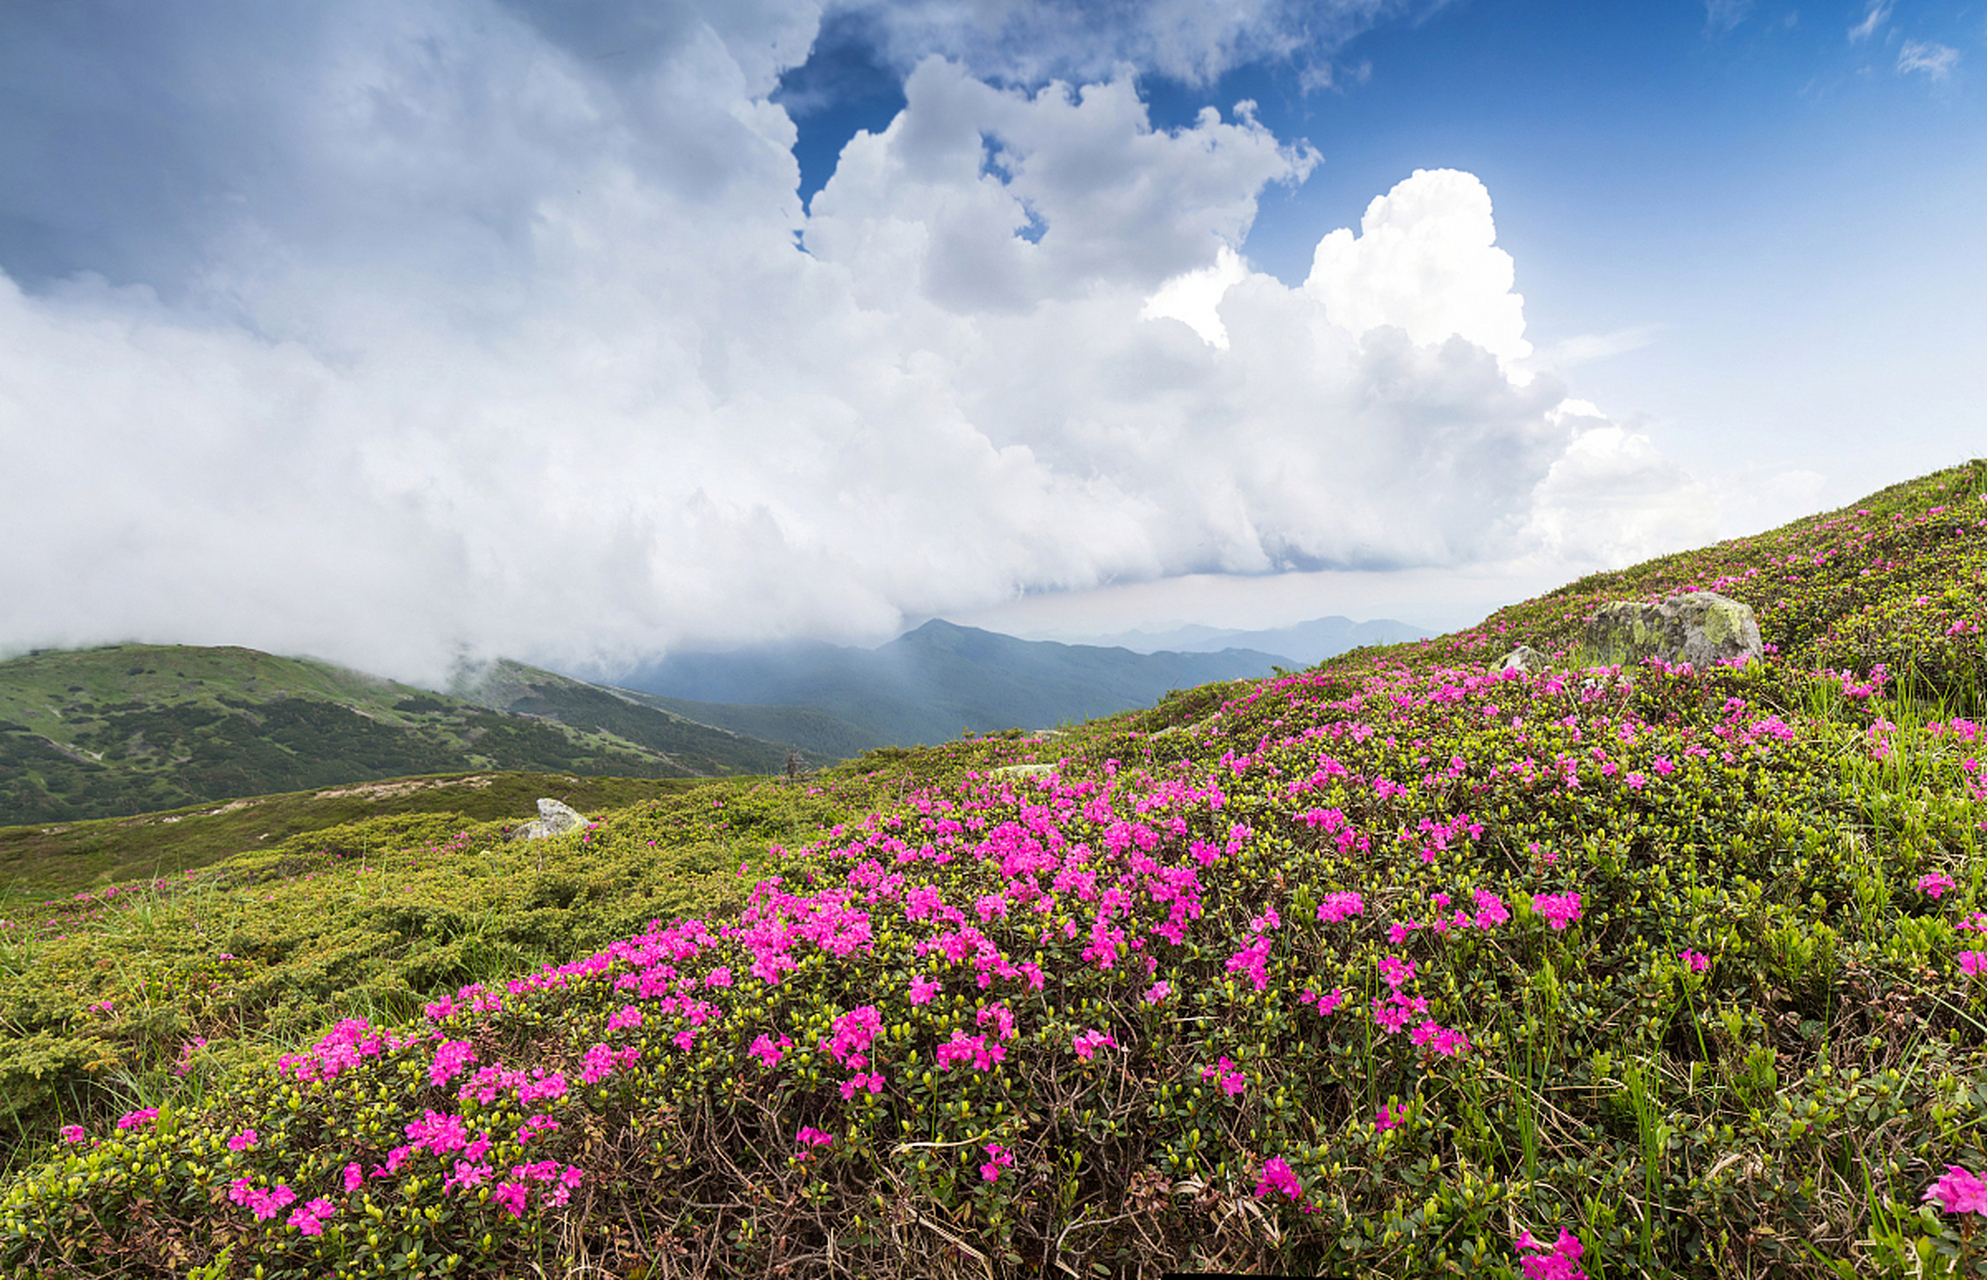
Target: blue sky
{"x":580,"y":332}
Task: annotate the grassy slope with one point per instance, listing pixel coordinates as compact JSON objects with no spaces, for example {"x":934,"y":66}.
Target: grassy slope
{"x":38,"y":863}
{"x":1779,"y":1112}
{"x":129,"y":729}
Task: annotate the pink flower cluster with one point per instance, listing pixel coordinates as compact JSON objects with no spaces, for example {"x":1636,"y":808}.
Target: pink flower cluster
{"x":984,"y":1056}
{"x":1959,"y":1191}
{"x":768,"y":1052}
{"x":1089,"y":1042}
{"x":1559,"y":910}
{"x":812,"y":1137}
{"x":601,"y":1061}
{"x":998,"y":1159}
{"x":1935,"y":883}
{"x":1339,"y":906}
{"x":1277,"y":1176}
{"x":512,"y":1194}
{"x":451,"y":1060}
{"x":855,"y":1031}
{"x":1697,"y":960}
{"x":132,"y":1119}
{"x":1252,"y":960}
{"x":1326,"y":1003}
{"x":263,"y":1202}
{"x":1232,"y":1082}
{"x":349,"y":1042}
{"x":1559,"y":1260}
{"x":1394,"y":1011}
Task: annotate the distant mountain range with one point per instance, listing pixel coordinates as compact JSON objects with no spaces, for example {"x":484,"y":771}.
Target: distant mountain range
{"x":926,"y":686}
{"x":129,"y":729}
{"x":1303,"y":644}
{"x":134,"y":728}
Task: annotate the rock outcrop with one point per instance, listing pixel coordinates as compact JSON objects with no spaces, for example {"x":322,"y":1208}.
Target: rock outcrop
{"x":1702,"y":628}
{"x":554,"y":819}
{"x":1523,"y":658}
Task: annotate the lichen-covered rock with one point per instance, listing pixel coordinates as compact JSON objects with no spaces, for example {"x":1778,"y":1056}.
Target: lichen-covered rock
{"x":1523,"y":658}
{"x":554,"y":819}
{"x":1702,"y":628}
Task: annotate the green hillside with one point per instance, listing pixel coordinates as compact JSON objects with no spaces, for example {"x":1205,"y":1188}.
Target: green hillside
{"x":38,"y":863}
{"x":129,"y":729}
{"x":1395,"y":967}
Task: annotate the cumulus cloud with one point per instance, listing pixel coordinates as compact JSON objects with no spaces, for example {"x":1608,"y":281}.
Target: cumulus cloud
{"x":501,"y":326}
{"x":1425,"y":261}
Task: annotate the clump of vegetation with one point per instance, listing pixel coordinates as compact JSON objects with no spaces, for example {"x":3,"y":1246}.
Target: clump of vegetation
{"x":1395,"y":967}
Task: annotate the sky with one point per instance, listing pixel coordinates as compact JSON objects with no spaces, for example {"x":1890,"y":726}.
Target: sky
{"x":584,"y":331}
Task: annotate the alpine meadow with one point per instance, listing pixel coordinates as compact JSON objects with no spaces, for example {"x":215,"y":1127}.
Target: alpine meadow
{"x":1400,"y":966}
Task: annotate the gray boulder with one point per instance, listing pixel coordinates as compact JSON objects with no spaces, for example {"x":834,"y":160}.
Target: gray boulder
{"x":1523,"y":658}
{"x":1702,"y":628}
{"x":554,"y":819}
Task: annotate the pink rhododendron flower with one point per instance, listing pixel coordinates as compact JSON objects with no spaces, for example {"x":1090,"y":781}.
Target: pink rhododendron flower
{"x":243,"y":1141}
{"x":1338,"y":906}
{"x":1557,"y":1261}
{"x":999,"y":1158}
{"x":854,"y":1032}
{"x":466,"y":1175}
{"x":1973,"y":962}
{"x":1959,"y":1192}
{"x":72,"y":1133}
{"x":354,"y":1176}
{"x":132,"y":1119}
{"x":263,"y":1203}
{"x":1326,"y":1003}
{"x":511,"y":1195}
{"x":768,"y":1052}
{"x":1490,"y":910}
{"x":451,"y":1060}
{"x":1278,"y":1177}
{"x":535,"y":1125}
{"x":439,"y":1133}
{"x":1389,"y":1116}
{"x":309,"y":1218}
{"x":1935,"y":883}
{"x":1443,"y":1040}
{"x":1559,"y":910}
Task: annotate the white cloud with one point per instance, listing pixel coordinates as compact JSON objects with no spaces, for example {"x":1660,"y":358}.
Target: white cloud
{"x":504,"y":348}
{"x":1425,"y":261}
{"x":1935,"y":60}
{"x":1194,"y":297}
{"x":1029,"y":42}
{"x":1877,"y":14}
